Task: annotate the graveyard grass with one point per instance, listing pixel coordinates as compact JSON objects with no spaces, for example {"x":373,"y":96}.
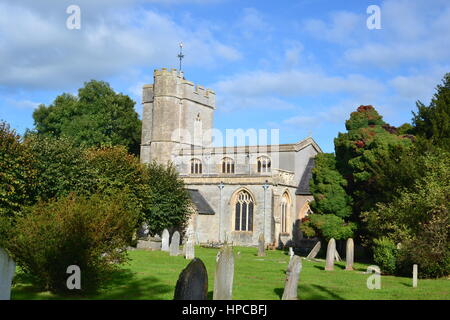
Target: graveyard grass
{"x":153,"y":275}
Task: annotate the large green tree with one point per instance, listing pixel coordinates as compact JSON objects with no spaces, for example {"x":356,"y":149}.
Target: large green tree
{"x":367,"y":140}
{"x":331,"y":205}
{"x":432,"y":122}
{"x":97,"y":116}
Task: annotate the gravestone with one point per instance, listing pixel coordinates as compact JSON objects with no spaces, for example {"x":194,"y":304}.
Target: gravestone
{"x":223,"y":281}
{"x":143,"y":232}
{"x":174,"y":248}
{"x":189,"y":250}
{"x":261,"y":244}
{"x":331,"y":249}
{"x":337,"y":257}
{"x":292,"y":277}
{"x":165,"y":241}
{"x":192,"y":283}
{"x":415,"y":274}
{"x":314,"y":251}
{"x":349,"y":254}
{"x":7,"y":269}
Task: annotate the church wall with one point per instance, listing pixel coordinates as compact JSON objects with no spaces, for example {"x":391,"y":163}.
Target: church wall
{"x":208,"y":225}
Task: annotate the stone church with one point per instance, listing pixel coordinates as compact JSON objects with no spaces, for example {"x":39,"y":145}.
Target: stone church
{"x":237,"y":191}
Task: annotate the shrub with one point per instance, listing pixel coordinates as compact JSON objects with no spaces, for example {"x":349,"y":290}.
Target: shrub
{"x":61,"y":167}
{"x":74,"y":230}
{"x":115,"y":169}
{"x":168,"y":203}
{"x":327,"y":226}
{"x":16,"y":173}
{"x":430,"y":249}
{"x":385,"y":255}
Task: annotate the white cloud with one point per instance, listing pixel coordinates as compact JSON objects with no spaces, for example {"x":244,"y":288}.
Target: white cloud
{"x":38,"y":51}
{"x":340,"y":29}
{"x":294,"y":83}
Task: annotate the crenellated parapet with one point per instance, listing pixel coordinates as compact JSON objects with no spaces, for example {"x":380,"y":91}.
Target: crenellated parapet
{"x":172,"y":83}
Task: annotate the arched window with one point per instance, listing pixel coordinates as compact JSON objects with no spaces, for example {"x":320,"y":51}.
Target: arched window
{"x":244,"y":212}
{"x":263,"y":164}
{"x":227,"y":165}
{"x":196,"y":166}
{"x":285,"y":204}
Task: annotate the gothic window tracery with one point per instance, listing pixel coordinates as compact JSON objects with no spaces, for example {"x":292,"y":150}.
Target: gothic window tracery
{"x":196,"y":166}
{"x":264,"y":164}
{"x":227,"y":165}
{"x":244,"y":212}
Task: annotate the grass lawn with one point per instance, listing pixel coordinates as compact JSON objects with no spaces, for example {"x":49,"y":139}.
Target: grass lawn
{"x":153,"y":275}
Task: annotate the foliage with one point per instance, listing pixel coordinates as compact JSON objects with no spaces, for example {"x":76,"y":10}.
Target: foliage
{"x":385,"y":255}
{"x":97,"y":116}
{"x":327,"y":187}
{"x":115,"y":169}
{"x":61,"y":167}
{"x":433,"y":122}
{"x":17,"y":173}
{"x":429,"y":249}
{"x":368,"y":139}
{"x":327,"y":226}
{"x":413,"y":212}
{"x":74,"y":230}
{"x":168,"y":201}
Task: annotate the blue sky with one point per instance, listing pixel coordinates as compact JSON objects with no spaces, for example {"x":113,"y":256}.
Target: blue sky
{"x":300,"y":66}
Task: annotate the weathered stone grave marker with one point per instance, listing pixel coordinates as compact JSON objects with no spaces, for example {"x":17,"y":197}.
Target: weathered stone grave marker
{"x":223,"y":281}
{"x":292,"y":277}
{"x":415,"y":274}
{"x":189,"y":249}
{"x":330,"y":255}
{"x":192,"y":283}
{"x":165,"y":241}
{"x":349,"y":254}
{"x":337,"y":257}
{"x":7,"y":270}
{"x":174,"y":248}
{"x":291,"y":252}
{"x":314,"y":251}
{"x":261,"y":245}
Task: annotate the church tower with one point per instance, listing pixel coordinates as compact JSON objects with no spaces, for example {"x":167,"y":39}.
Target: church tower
{"x":176,"y":114}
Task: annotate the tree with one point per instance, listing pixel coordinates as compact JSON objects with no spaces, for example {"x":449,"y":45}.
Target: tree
{"x":97,"y":116}
{"x":367,"y":140}
{"x":61,"y":167}
{"x":17,"y":173}
{"x":327,"y":186}
{"x":169,"y":201}
{"x":433,"y":122}
{"x":331,"y":203}
{"x":418,"y":217}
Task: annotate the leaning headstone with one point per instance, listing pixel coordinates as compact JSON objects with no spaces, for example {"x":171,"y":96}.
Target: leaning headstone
{"x":165,"y":241}
{"x":174,"y":248}
{"x":330,"y":255}
{"x":349,"y":254}
{"x":291,"y":252}
{"x":223,"y":282}
{"x":337,"y":257}
{"x":189,"y":250}
{"x":7,"y":269}
{"x":261,"y":244}
{"x":292,"y":277}
{"x":192,"y":283}
{"x":415,"y":272}
{"x":314,"y":251}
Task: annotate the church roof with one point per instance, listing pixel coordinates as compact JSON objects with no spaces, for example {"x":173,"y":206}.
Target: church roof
{"x":303,"y":185}
{"x":200,"y":202}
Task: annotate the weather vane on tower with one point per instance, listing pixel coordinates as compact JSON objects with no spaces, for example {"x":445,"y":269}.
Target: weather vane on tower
{"x":181,"y":55}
